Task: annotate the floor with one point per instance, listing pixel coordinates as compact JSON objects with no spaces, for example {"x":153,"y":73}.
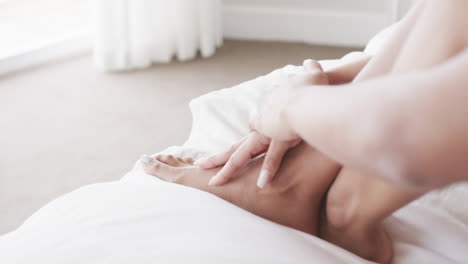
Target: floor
{"x":64,"y":125}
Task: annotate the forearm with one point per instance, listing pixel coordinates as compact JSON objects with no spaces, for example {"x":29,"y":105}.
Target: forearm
{"x":382,"y":127}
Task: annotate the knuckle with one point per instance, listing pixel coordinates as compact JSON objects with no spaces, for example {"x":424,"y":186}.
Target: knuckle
{"x":263,"y":140}
{"x":235,"y":162}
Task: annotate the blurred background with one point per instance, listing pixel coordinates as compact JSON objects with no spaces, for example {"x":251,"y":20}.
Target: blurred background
{"x":87,"y":86}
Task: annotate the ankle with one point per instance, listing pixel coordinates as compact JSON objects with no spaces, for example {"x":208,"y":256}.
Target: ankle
{"x":340,"y":209}
{"x":366,"y":239}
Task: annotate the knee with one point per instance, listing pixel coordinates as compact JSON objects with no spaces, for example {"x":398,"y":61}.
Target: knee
{"x":447,"y":6}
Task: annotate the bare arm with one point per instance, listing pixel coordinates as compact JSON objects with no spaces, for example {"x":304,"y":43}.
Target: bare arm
{"x":407,"y":128}
{"x":254,"y":144}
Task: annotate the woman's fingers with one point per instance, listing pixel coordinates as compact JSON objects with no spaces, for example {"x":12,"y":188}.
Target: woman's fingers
{"x":220,"y":158}
{"x":272,"y":161}
{"x":254,"y":145}
{"x":153,"y":166}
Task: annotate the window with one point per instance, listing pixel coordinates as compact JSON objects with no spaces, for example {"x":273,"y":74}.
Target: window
{"x":28,"y":25}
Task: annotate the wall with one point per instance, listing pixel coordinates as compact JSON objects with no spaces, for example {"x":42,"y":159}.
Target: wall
{"x":362,"y":5}
{"x":329,"y":22}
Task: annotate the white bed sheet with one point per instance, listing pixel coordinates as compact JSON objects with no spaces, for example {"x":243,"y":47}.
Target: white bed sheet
{"x":141,"y":219}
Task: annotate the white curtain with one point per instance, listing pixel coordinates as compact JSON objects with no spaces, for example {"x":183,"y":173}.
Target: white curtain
{"x":133,"y":34}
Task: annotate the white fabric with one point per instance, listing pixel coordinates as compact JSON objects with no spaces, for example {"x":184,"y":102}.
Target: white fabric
{"x":141,"y":219}
{"x":144,"y":220}
{"x":135,"y":33}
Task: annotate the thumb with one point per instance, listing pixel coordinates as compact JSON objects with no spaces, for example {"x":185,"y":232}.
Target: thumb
{"x":312,"y":66}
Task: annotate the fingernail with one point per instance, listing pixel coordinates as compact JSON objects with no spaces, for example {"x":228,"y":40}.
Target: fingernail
{"x":262,"y":179}
{"x":214,"y":181}
{"x":197,"y":162}
{"x":146,"y":159}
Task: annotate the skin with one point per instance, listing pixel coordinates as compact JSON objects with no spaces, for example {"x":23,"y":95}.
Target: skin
{"x":402,"y":149}
{"x":255,"y":143}
{"x":409,"y":150}
{"x":405,"y":149}
{"x":401,"y":145}
{"x":294,"y":199}
{"x":415,"y":80}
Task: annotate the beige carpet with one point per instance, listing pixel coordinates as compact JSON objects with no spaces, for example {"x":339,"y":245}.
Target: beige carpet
{"x":64,"y":125}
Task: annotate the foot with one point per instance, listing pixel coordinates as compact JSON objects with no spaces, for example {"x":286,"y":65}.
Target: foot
{"x":356,"y":206}
{"x":292,"y":199}
{"x":367,"y":241}
{"x":175,"y":161}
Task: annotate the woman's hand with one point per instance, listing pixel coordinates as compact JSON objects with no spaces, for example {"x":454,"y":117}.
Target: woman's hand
{"x":270,"y":134}
{"x":270,"y":119}
{"x":239,"y":154}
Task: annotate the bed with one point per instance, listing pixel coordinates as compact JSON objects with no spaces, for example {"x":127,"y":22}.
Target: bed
{"x":141,"y":219}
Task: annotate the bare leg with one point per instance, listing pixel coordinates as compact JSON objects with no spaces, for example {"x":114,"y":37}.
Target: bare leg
{"x":356,"y":203}
{"x":439,"y":33}
{"x":382,"y":63}
{"x":294,"y":199}
{"x":354,"y":208}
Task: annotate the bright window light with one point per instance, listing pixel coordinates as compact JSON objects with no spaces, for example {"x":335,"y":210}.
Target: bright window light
{"x":27,"y":25}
